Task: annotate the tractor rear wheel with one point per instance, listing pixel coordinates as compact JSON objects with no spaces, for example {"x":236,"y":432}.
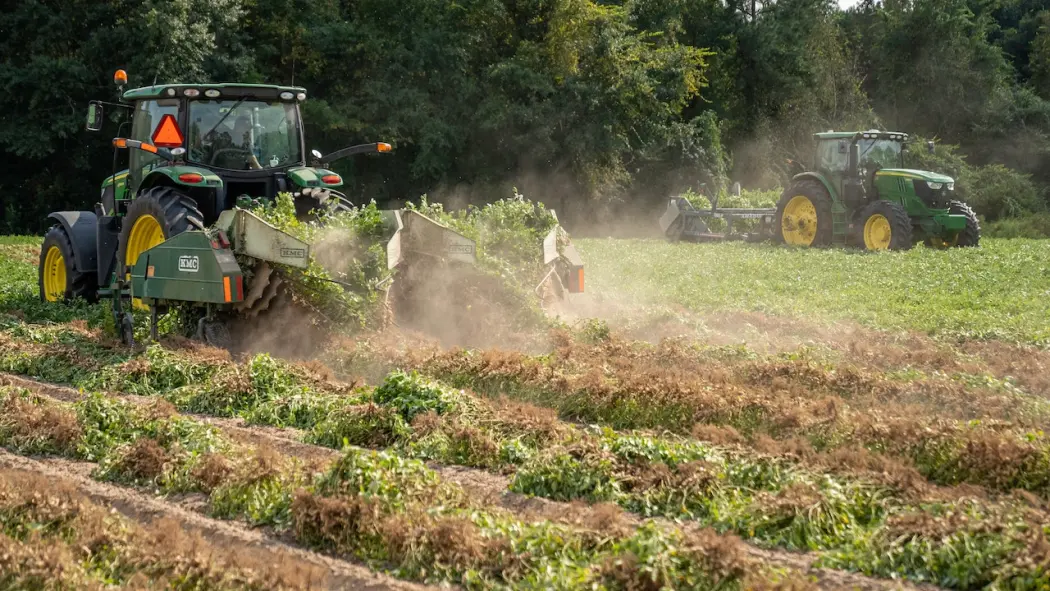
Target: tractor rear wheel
{"x":804,"y":215}
{"x":153,"y":217}
{"x":885,"y":225}
{"x":57,"y":274}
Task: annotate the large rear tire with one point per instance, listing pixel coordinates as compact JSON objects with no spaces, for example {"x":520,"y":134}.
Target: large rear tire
{"x":804,"y":215}
{"x":885,"y":225}
{"x":58,"y":277}
{"x":153,"y":217}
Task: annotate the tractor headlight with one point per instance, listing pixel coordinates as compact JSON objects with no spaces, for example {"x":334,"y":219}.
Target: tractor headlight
{"x":935,"y":186}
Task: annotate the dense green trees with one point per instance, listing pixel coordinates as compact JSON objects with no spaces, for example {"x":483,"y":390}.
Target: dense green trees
{"x":575,"y":102}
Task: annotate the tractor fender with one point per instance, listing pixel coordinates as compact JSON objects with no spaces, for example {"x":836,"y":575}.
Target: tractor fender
{"x":813,"y":176}
{"x":171,"y":174}
{"x":82,"y":228}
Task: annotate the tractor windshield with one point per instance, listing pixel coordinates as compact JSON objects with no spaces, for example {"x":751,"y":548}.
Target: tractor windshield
{"x":879,"y":153}
{"x":244,"y":134}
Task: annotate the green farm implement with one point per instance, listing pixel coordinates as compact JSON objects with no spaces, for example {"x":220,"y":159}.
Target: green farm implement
{"x":860,"y":194}
{"x":176,"y":226}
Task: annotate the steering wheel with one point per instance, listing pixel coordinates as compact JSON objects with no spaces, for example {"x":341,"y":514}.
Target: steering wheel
{"x":216,"y":153}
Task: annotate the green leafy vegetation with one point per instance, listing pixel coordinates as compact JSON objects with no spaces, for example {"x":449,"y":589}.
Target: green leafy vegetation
{"x":986,"y":293}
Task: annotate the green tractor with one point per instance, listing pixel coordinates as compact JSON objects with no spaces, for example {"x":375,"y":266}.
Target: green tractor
{"x":862,"y":194}
{"x":175,"y":226}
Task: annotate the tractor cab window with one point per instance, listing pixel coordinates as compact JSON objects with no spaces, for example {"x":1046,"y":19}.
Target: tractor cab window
{"x":879,"y":154}
{"x":145,"y":120}
{"x":833,"y":156}
{"x":244,"y":134}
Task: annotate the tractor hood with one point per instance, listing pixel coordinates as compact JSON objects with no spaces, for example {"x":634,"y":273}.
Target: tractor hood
{"x":925,"y":175}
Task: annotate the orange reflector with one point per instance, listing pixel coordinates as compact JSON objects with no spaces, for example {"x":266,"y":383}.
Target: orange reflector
{"x":120,"y":142}
{"x":331,"y":179}
{"x":383,"y":147}
{"x":149,"y":271}
{"x":191,"y":177}
{"x":149,"y":148}
{"x":581,"y":280}
{"x":167,"y":134}
{"x":120,"y":77}
{"x":226,"y":288}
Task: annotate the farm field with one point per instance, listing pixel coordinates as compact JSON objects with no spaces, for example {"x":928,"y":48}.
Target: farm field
{"x":706,"y":417}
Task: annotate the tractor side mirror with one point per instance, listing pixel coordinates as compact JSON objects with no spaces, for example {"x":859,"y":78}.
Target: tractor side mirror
{"x":317,"y":157}
{"x":929,"y":147}
{"x":94,"y":118}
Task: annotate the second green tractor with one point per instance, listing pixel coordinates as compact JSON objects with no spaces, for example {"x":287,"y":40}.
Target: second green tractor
{"x":859,"y":193}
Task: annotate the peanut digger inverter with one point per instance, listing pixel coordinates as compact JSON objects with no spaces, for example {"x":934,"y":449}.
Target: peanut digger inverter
{"x":174,"y":227}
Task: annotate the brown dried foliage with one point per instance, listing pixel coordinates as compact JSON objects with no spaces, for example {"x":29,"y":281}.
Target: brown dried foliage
{"x":781,"y":406}
{"x":27,"y":424}
{"x":157,"y":554}
{"x":722,"y":557}
{"x":211,"y":471}
{"x":144,"y":459}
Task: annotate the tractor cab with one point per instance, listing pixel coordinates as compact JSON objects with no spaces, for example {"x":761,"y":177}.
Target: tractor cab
{"x":865,"y":164}
{"x":219,"y":143}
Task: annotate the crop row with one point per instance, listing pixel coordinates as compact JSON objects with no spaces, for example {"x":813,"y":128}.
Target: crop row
{"x":393,"y":513}
{"x":52,"y":537}
{"x":780,"y":403}
{"x":770,"y":500}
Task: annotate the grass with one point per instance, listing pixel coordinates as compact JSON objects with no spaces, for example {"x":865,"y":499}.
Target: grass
{"x":997,"y":291}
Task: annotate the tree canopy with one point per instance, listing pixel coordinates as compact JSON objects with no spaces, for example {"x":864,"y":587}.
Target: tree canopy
{"x":586,"y":105}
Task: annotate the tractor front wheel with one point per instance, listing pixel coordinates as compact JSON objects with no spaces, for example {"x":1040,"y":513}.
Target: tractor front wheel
{"x":968,"y":236}
{"x":885,"y":225}
{"x":57,"y":274}
{"x":804,"y":215}
{"x":971,"y":234}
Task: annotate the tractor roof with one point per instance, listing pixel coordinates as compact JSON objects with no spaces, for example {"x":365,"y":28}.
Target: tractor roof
{"x":846,"y":135}
{"x":229,"y":90}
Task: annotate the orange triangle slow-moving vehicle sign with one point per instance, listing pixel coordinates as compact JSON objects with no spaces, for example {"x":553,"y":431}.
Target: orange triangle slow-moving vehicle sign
{"x":167,"y":134}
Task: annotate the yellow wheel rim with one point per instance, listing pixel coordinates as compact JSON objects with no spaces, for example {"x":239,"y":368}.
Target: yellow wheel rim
{"x":799,"y":224}
{"x":145,"y":234}
{"x":54,"y":275}
{"x":877,"y":232}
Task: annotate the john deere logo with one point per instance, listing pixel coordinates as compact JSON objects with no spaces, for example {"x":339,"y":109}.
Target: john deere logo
{"x":461,"y":248}
{"x":293,"y":253}
{"x":189,"y":264}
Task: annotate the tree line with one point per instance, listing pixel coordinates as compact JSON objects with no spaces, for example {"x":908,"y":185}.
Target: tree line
{"x":592,"y":106}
